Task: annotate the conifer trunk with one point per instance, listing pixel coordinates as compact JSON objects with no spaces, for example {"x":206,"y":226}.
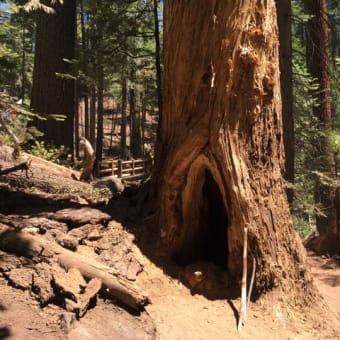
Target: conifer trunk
{"x":284,"y":18}
{"x":52,"y":93}
{"x":220,"y":154}
{"x":123,"y":120}
{"x":100,"y":115}
{"x":93,"y":116}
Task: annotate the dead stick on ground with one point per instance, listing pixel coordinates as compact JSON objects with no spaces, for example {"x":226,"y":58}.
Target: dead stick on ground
{"x":243,"y":306}
{"x":21,"y":166}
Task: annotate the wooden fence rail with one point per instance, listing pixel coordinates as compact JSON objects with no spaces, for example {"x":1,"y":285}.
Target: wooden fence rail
{"x":132,"y":169}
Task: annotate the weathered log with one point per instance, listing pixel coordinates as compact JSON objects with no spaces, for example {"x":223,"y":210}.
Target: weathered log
{"x":35,"y":246}
{"x":118,"y":288}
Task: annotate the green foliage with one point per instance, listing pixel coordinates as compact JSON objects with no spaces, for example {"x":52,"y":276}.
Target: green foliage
{"x":302,"y":225}
{"x":311,"y":164}
{"x":16,"y":49}
{"x":306,"y":127}
{"x":119,"y":38}
{"x":59,"y":155}
{"x":16,"y":117}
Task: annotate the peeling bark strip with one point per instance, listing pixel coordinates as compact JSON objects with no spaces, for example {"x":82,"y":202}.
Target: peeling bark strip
{"x":24,"y":244}
{"x":220,"y":153}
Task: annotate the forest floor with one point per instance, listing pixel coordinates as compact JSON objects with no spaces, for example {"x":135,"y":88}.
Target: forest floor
{"x":47,"y":204}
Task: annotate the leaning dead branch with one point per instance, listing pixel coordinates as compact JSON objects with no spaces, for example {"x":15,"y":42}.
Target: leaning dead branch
{"x":22,"y":166}
{"x":7,"y":130}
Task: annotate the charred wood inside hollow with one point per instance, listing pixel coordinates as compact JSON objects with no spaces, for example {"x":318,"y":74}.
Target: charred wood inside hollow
{"x":204,"y":237}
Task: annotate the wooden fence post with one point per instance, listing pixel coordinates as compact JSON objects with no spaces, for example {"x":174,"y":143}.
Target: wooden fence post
{"x":113,"y":167}
{"x":120,"y":168}
{"x":133,"y":167}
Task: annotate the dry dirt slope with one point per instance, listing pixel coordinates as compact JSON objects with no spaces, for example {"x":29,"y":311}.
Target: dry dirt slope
{"x":174,"y":313}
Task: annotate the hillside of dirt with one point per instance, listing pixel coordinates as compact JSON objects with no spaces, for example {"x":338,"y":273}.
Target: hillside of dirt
{"x":71,"y":267}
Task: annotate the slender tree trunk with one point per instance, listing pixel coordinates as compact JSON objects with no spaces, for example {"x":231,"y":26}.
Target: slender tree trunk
{"x":52,"y":94}
{"x":100,"y":115}
{"x":284,"y":15}
{"x":113,"y":125}
{"x":317,"y":53}
{"x":135,"y":126}
{"x":123,"y":120}
{"x":23,"y":60}
{"x":86,"y":117}
{"x":115,"y":119}
{"x":143,"y":120}
{"x":93,"y":115}
{"x":220,"y":151}
{"x":158,"y":61}
{"x":76,"y":122}
{"x":84,"y":55}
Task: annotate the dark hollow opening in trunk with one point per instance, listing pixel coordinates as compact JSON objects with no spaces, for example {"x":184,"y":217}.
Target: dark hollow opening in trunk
{"x":206,"y":238}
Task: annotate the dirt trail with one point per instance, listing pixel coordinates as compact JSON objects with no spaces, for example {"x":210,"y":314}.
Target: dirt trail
{"x":326,"y":273}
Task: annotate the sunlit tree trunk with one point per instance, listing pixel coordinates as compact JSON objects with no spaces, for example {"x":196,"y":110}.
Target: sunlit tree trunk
{"x":219,"y":158}
{"x":136,"y":139}
{"x":100,"y":115}
{"x":93,"y":116}
{"x":84,"y":86}
{"x":123,"y":120}
{"x":158,"y":59}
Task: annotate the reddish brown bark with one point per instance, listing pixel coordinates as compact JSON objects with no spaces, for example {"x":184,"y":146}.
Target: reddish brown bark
{"x":53,"y":94}
{"x":220,"y":152}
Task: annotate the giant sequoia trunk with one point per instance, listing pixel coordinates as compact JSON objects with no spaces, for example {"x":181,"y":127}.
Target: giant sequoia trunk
{"x":220,"y":151}
{"x":51,"y":93}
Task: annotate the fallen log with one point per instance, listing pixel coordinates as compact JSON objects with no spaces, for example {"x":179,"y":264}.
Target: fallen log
{"x":38,"y":248}
{"x":119,"y":288}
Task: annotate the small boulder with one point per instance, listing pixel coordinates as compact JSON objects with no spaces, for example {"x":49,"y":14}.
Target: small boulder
{"x":114,"y":184}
